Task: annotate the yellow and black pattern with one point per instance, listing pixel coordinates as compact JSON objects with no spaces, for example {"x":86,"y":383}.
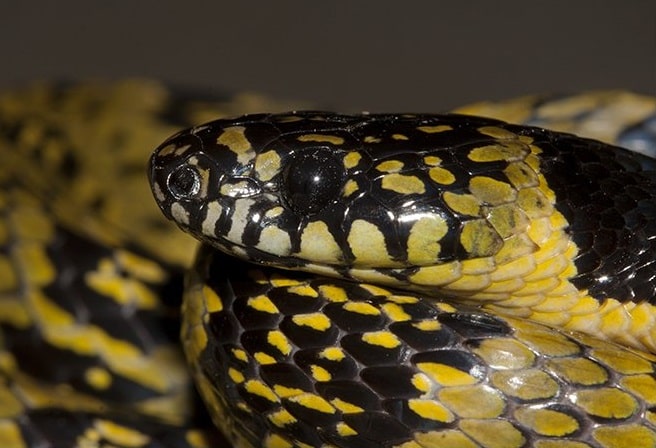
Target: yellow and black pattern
{"x":543,"y":225}
{"x":90,"y":273}
{"x":89,"y":291}
{"x":287,"y":359}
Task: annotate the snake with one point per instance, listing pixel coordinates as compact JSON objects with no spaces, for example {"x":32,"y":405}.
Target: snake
{"x":410,"y":280}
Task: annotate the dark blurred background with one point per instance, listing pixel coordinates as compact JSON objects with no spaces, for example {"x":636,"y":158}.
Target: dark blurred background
{"x":366,"y":55}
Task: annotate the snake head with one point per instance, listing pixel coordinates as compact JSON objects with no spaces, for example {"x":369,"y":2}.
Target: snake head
{"x":245,"y":185}
{"x":347,"y":195}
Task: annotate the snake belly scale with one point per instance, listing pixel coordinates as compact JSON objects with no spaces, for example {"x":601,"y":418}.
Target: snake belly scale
{"x":521,"y":222}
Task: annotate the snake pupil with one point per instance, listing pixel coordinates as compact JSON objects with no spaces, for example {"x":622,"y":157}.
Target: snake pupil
{"x":312,"y":180}
{"x":184,"y":182}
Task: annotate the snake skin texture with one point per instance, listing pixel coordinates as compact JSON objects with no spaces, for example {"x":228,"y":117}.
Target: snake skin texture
{"x":91,"y":286}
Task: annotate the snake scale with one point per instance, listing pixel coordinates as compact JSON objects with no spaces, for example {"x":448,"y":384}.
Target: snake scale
{"x":433,"y":248}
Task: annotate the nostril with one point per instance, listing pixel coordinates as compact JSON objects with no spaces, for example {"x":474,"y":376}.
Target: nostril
{"x":184,"y":182}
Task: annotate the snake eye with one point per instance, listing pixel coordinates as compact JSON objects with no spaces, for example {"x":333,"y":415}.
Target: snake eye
{"x":184,"y":182}
{"x":312,"y":179}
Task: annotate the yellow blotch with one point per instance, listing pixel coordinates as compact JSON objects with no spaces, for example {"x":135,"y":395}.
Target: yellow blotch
{"x":267,"y":165}
{"x":424,"y":240}
{"x":321,"y":138}
{"x":350,"y":187}
{"x":286,"y":392}
{"x":346,"y":407}
{"x":547,"y":422}
{"x":352,"y":159}
{"x":98,"y":378}
{"x":421,"y":382}
{"x":345,"y":430}
{"x":441,"y":175}
{"x":332,"y":354}
{"x":367,"y":243}
{"x":496,"y":132}
{"x":435,"y":129}
{"x":507,"y":220}
{"x":432,"y":160}
{"x":320,"y":374}
{"x":282,"y":418}
{"x":399,"y":137}
{"x":196,"y":341}
{"x":403,"y":184}
{"x":275,"y":241}
{"x":492,"y":191}
{"x":303,"y":290}
{"x":279,"y":340}
{"x":240,"y":354}
{"x":318,"y":244}
{"x":108,"y":280}
{"x":446,"y":375}
{"x":120,"y":435}
{"x":264,"y":304}
{"x":521,"y":175}
{"x":260,"y":389}
{"x":430,"y":409}
{"x":382,"y":339}
{"x":427,"y":325}
{"x":534,"y":203}
{"x":316,"y":321}
{"x":235,"y":375}
{"x":479,"y":239}
{"x":395,"y":312}
{"x":314,"y":402}
{"x":395,"y":298}
{"x":371,"y":139}
{"x":235,"y":139}
{"x":140,"y":267}
{"x":498,"y":152}
{"x":390,"y":166}
{"x":361,"y":308}
{"x":264,"y":358}
{"x":333,"y":293}
{"x":464,"y":204}
{"x":375,"y":290}
{"x":213,"y":303}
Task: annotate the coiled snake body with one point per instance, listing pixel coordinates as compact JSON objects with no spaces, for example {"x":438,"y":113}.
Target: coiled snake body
{"x":432,"y":248}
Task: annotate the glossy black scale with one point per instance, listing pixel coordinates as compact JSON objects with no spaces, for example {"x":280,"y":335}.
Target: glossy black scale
{"x":608,"y":196}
